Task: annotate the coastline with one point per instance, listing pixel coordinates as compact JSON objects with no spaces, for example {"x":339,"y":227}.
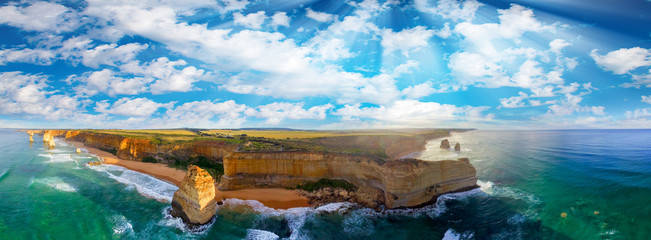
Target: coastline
{"x":277,"y":198}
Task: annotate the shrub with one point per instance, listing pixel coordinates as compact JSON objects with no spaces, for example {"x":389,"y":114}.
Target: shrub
{"x":149,"y":159}
{"x":323,"y":183}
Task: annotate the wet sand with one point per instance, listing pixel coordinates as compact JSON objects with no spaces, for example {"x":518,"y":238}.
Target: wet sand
{"x":277,"y":198}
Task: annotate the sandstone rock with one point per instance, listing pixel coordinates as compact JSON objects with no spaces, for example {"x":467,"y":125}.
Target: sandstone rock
{"x":50,"y":144}
{"x":78,"y":151}
{"x":464,"y":160}
{"x":445,"y":144}
{"x":31,"y":136}
{"x":457,"y":147}
{"x":194,"y":202}
{"x":393,"y":183}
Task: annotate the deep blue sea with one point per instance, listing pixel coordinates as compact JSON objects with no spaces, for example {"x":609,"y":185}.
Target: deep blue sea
{"x":601,"y":180}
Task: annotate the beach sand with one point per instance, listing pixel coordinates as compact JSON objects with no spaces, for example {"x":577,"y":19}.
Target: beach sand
{"x":277,"y":198}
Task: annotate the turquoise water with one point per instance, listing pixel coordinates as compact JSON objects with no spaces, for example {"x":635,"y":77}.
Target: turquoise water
{"x":527,"y":180}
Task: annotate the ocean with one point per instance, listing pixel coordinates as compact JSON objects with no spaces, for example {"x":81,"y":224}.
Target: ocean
{"x":601,"y":180}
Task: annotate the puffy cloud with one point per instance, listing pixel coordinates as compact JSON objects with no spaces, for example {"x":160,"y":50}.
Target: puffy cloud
{"x":206,"y":114}
{"x":570,"y":105}
{"x":318,"y":16}
{"x":405,"y":40}
{"x":450,"y":9}
{"x":106,"y":81}
{"x":557,"y":45}
{"x":26,"y":94}
{"x":111,"y":54}
{"x":646,"y":99}
{"x":252,"y":20}
{"x":514,"y":102}
{"x":33,"y":56}
{"x":413,"y":113}
{"x":623,"y":60}
{"x":136,"y":107}
{"x":280,"y":19}
{"x":421,"y":90}
{"x":40,"y":16}
{"x":278,"y":111}
{"x":231,"y":5}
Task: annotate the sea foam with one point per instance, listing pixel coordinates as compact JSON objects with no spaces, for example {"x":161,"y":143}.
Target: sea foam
{"x":146,"y":185}
{"x":56,"y":183}
{"x":256,"y":234}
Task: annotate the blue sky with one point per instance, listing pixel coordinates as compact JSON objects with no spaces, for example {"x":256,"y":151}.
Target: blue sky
{"x":325,"y":64}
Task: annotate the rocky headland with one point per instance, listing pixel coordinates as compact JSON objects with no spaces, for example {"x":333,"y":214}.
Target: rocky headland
{"x":372,"y":163}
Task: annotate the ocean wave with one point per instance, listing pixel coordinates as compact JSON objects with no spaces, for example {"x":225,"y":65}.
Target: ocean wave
{"x":58,"y":158}
{"x":175,"y":222}
{"x":508,"y":192}
{"x":256,"y":234}
{"x":121,"y":225}
{"x":451,"y":234}
{"x":3,"y":172}
{"x":56,"y":183}
{"x":146,"y":185}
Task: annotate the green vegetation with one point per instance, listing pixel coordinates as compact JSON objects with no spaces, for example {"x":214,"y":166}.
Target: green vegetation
{"x":109,"y":150}
{"x":215,"y":169}
{"x":149,"y":159}
{"x":323,"y":183}
{"x":360,"y":142}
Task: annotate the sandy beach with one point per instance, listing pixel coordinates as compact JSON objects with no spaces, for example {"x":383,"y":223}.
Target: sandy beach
{"x":277,"y":198}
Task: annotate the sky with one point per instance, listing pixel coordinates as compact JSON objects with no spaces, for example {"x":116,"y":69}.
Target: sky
{"x":370,"y":64}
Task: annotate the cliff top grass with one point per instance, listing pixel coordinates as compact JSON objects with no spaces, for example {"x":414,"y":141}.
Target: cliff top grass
{"x":367,"y":142}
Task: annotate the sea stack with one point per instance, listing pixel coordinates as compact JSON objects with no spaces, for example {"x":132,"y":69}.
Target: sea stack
{"x":50,"y":144}
{"x":78,"y":151}
{"x":31,"y":137}
{"x":445,"y":144}
{"x":194,"y":202}
{"x":457,"y":147}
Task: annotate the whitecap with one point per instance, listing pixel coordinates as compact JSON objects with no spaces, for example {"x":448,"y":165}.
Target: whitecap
{"x":175,"y":222}
{"x":509,"y":192}
{"x":451,"y":234}
{"x":146,"y":185}
{"x":3,"y":172}
{"x":57,"y":158}
{"x":256,"y":234}
{"x":56,"y":183}
{"x":121,"y":225}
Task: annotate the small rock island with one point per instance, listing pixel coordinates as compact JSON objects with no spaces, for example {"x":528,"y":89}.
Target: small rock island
{"x":194,"y":202}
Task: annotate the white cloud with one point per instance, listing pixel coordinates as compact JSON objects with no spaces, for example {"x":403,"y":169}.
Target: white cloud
{"x":279,"y":111}
{"x":319,"y":16}
{"x":206,"y":114}
{"x":646,"y":99}
{"x":280,"y":19}
{"x":106,"y":81}
{"x":570,"y":105}
{"x":111,"y":54}
{"x":624,"y":60}
{"x":33,"y":56}
{"x":165,"y":74}
{"x":557,"y":45}
{"x":40,"y":16}
{"x":231,"y":5}
{"x":252,"y":20}
{"x":136,"y":107}
{"x":450,"y":9}
{"x":25,"y":94}
{"x":514,"y":102}
{"x":405,"y":40}
{"x":413,"y":113}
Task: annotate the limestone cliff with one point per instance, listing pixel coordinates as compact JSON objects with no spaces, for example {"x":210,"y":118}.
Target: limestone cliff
{"x":194,"y":202}
{"x":404,"y":182}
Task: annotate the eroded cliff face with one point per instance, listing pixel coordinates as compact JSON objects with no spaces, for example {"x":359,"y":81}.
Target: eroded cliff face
{"x":137,"y":148}
{"x":194,"y":202}
{"x":404,"y":182}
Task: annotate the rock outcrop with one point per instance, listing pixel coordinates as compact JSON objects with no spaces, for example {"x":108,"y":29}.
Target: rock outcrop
{"x":194,"y":202}
{"x":457,"y":147}
{"x":402,"y":182}
{"x":445,"y":144}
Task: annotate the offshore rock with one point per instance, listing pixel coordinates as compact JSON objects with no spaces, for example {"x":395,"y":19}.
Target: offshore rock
{"x":78,"y":151}
{"x":457,"y":147}
{"x":194,"y":202}
{"x":50,"y":144}
{"x":445,"y":144}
